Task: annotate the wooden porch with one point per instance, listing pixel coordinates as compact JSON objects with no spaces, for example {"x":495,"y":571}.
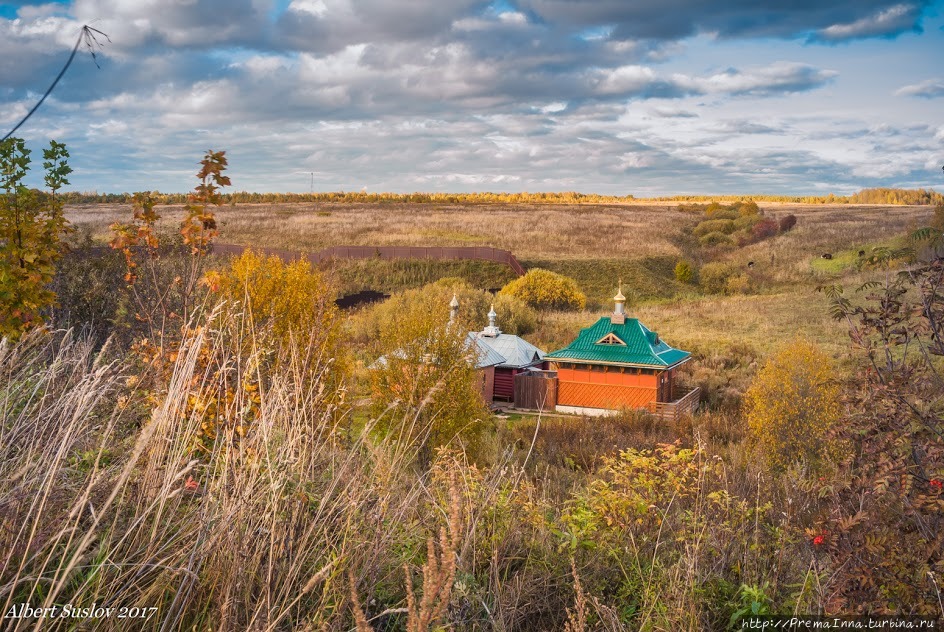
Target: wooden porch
{"x":685,"y":405}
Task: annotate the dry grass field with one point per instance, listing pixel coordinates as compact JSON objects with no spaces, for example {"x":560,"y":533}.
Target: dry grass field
{"x":530,"y":231}
{"x":594,"y":244}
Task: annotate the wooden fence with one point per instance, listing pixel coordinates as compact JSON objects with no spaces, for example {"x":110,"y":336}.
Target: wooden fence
{"x":478,"y":253}
{"x":536,"y":390}
{"x":685,"y":405}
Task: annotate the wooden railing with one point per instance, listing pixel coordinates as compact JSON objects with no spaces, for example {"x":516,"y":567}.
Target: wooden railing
{"x":479,"y":253}
{"x":685,"y":405}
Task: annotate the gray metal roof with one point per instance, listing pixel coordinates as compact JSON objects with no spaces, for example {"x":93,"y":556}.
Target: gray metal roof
{"x":517,"y":352}
{"x":483,"y":355}
{"x":486,"y":355}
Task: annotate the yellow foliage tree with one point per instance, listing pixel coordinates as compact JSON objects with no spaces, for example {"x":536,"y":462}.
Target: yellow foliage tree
{"x":792,"y":406}
{"x":543,"y":289}
{"x":426,"y":389}
{"x":289,"y":304}
{"x":370,"y":327}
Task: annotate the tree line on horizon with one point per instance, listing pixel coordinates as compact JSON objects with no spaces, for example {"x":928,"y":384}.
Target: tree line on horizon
{"x":888,"y":196}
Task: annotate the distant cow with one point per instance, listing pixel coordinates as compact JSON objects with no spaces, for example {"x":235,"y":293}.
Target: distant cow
{"x":861,"y":253}
{"x":827,"y":255}
{"x":750,"y":264}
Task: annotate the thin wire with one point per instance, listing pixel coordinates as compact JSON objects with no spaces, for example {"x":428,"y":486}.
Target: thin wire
{"x":87,"y":34}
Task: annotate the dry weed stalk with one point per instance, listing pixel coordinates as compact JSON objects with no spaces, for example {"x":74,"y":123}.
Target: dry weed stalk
{"x":577,"y":616}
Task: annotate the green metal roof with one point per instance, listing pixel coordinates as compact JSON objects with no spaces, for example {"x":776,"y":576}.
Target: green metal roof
{"x":641,"y":347}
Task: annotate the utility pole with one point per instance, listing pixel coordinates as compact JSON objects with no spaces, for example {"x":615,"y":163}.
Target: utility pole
{"x":311,"y":180}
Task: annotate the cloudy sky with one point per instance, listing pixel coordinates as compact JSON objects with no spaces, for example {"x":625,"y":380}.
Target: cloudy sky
{"x":638,"y":97}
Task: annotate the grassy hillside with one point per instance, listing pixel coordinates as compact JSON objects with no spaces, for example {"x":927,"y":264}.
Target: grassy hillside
{"x":227,"y":450}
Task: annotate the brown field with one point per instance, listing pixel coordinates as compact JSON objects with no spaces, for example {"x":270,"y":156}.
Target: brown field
{"x":594,"y":244}
{"x":530,"y":231}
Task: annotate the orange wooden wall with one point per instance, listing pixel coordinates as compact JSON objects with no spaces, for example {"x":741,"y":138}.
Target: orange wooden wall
{"x":609,"y":389}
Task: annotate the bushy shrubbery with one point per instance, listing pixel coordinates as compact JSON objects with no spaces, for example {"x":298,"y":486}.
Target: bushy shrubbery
{"x":288,"y":298}
{"x":684,"y":272}
{"x":425,"y":390}
{"x":514,"y":316}
{"x":716,"y":239}
{"x":713,"y":277}
{"x":746,"y":222}
{"x":286,"y":303}
{"x":792,"y":408}
{"x":630,"y":530}
{"x":763,"y":229}
{"x":787,"y":223}
{"x":542,"y":289}
{"x":723,"y":278}
{"x":741,"y":223}
{"x":747,"y":208}
{"x":725,"y":226}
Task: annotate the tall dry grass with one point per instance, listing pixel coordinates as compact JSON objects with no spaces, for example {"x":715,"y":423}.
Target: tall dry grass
{"x":303,"y":521}
{"x":307,"y":521}
{"x":99,"y":506}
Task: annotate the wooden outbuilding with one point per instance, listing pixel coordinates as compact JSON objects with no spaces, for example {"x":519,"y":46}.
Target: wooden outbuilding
{"x":478,"y":354}
{"x":519,"y":355}
{"x":618,"y":363}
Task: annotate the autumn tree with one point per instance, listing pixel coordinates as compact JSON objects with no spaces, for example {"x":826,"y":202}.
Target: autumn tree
{"x":793,"y":406}
{"x":887,"y":521}
{"x":514,"y":316}
{"x":290,"y":307}
{"x":426,"y":389}
{"x":543,"y":289}
{"x":31,"y":228}
{"x":164,"y":286}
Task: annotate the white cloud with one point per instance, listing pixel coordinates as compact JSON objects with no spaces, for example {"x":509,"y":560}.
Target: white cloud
{"x":929,"y":89}
{"x":890,"y":21}
{"x":456,"y":94}
{"x":314,"y":7}
{"x":781,"y":77}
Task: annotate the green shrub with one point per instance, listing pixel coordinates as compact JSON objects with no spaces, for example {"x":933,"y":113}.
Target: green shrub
{"x":714,"y":207}
{"x":713,"y":277}
{"x":747,"y":209}
{"x":684,"y":273}
{"x":716,"y":239}
{"x":543,"y":289}
{"x":725,"y":226}
{"x":722,"y":213}
{"x":746,"y":222}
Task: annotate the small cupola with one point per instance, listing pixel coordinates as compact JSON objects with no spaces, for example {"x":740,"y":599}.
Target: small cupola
{"x":619,"y":309}
{"x":492,"y":331}
{"x":453,"y":308}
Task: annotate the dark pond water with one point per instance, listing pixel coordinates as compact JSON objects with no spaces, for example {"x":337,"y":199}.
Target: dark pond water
{"x":361,"y":298}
